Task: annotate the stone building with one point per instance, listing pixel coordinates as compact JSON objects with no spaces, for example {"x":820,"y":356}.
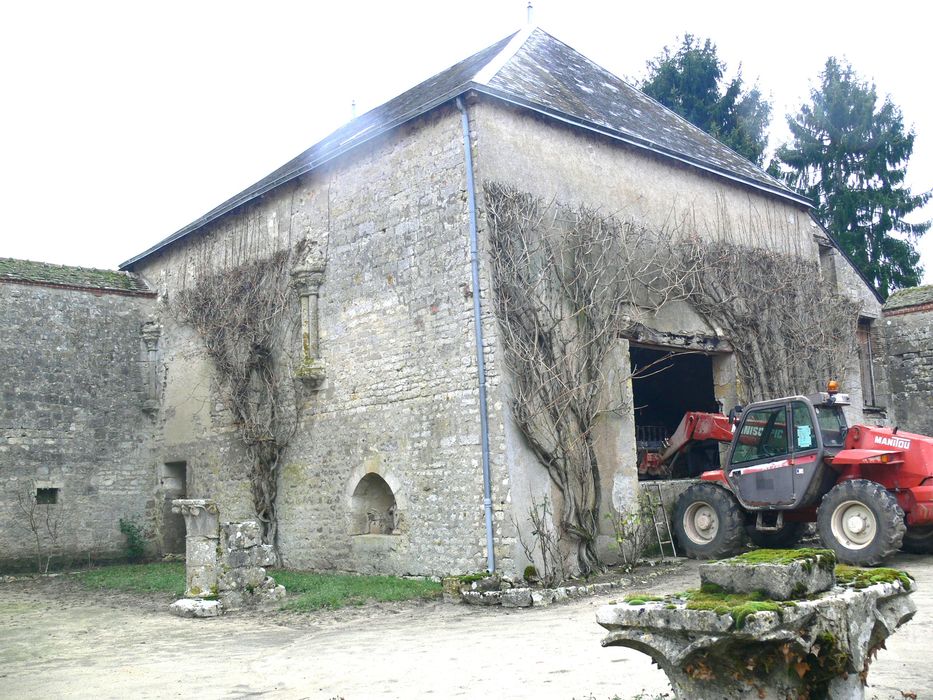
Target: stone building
{"x":401,"y":415}
{"x":906,"y":359}
{"x":77,"y":405}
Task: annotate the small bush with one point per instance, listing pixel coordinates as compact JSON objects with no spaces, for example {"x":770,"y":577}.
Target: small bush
{"x":135,"y":547}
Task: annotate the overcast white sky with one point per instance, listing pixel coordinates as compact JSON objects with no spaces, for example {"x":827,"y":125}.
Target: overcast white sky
{"x":124,"y":121}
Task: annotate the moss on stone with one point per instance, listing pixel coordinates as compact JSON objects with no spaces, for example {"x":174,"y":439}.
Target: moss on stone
{"x":854,"y":577}
{"x":824,"y":558}
{"x":86,"y":277}
{"x":472,"y":578}
{"x":642,"y":598}
{"x":739,"y":605}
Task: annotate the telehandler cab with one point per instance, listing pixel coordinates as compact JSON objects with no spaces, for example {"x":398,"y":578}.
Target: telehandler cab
{"x":794,"y":460}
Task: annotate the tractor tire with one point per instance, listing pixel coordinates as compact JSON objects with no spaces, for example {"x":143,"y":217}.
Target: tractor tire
{"x":708,"y":522}
{"x":918,"y":540}
{"x":785,"y":538}
{"x":861,"y":522}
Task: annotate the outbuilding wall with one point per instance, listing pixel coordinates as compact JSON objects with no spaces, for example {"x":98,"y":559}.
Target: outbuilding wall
{"x":400,"y":398}
{"x":73,"y":388}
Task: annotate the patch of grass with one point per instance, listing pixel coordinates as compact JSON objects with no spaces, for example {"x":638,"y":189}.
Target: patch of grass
{"x":137,"y":578}
{"x":826,"y":558}
{"x":855,"y":577}
{"x":315,"y":591}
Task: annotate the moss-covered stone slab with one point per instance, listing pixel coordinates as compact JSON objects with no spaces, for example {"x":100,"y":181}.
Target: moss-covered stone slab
{"x":778,"y":574}
{"x":743,"y":646}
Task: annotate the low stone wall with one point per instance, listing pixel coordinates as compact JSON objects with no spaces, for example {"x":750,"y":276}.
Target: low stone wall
{"x":495,"y":590}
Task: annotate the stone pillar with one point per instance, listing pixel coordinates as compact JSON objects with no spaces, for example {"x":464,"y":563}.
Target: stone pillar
{"x":151,"y":333}
{"x":202,"y":526}
{"x":307,"y":279}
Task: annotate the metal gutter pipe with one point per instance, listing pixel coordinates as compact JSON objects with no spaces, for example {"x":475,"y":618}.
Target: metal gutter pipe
{"x":478,"y":324}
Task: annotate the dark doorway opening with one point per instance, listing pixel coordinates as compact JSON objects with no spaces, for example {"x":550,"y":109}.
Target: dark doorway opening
{"x":173,"y":481}
{"x":666,"y":385}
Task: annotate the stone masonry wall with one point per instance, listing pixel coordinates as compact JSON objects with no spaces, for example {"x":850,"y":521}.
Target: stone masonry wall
{"x":558,"y":162}
{"x":908,"y":360}
{"x":400,"y":400}
{"x":72,"y":391}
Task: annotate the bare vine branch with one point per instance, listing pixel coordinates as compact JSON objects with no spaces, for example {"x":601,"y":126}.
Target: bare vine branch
{"x":240,"y":316}
{"x":569,"y":283}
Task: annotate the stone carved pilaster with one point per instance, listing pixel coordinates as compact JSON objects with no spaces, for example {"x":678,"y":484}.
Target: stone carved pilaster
{"x":307,"y":279}
{"x":151,"y":332}
{"x":202,"y":525}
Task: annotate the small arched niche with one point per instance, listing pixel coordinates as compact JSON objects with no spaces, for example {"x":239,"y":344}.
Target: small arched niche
{"x":373,"y":508}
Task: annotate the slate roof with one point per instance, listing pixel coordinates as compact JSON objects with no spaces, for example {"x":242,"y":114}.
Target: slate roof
{"x":30,"y":272}
{"x":535,"y":71}
{"x":914,"y":296}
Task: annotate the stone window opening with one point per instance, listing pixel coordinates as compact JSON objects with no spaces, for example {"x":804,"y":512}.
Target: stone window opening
{"x":373,"y":507}
{"x":47,"y":497}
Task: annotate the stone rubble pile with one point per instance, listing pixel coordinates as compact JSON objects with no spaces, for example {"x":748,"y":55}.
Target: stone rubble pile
{"x":243,"y":581}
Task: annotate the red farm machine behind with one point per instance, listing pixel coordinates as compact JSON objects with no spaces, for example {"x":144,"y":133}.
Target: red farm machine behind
{"x":793,"y":461}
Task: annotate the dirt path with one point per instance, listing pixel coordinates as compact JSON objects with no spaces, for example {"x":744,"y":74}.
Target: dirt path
{"x":57,"y":642}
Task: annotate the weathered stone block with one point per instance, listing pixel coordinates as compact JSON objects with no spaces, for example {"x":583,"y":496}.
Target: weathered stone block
{"x":200,"y":551}
{"x":542,"y":598}
{"x":188,"y":607}
{"x":482,"y":598}
{"x":797,"y":578}
{"x":243,"y":578}
{"x":201,"y":580}
{"x":516,"y":598}
{"x":261,"y":555}
{"x":813,"y":648}
{"x":242,"y":535}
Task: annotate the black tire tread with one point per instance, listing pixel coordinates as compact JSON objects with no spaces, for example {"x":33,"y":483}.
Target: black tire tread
{"x":918,"y":540}
{"x":890,"y":517}
{"x":731,"y":534}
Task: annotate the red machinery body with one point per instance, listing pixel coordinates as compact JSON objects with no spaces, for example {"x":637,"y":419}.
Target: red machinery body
{"x":795,"y":460}
{"x":694,"y":428}
{"x":901,"y":462}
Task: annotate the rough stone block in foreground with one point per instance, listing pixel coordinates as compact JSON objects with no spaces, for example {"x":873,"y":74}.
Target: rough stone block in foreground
{"x":242,"y":535}
{"x":784,"y":579}
{"x":188,"y":607}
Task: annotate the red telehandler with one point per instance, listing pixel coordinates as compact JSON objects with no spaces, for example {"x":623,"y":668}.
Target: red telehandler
{"x":793,"y":461}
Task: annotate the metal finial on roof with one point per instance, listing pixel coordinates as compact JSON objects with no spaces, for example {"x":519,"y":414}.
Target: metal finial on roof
{"x":353,"y":109}
{"x":531,"y":12}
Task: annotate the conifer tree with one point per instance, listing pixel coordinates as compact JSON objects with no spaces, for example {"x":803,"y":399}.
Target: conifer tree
{"x":849,"y":155}
{"x":691,"y":81}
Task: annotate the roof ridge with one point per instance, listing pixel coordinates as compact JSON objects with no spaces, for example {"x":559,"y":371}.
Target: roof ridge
{"x":497,"y":62}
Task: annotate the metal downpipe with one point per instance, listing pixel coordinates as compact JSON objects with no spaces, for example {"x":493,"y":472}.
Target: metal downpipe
{"x":478,"y":324}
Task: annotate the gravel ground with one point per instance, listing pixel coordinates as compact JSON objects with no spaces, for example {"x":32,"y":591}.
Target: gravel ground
{"x":58,"y":640}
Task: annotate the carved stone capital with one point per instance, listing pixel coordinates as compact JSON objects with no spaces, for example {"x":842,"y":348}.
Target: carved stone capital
{"x":308,"y":277}
{"x":201,"y":516}
{"x":151,"y":332}
{"x":312,"y":372}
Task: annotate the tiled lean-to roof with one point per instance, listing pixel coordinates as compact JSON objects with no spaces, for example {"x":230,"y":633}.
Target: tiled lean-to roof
{"x":532,"y":70}
{"x":31,"y":272}
{"x":907,"y":298}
